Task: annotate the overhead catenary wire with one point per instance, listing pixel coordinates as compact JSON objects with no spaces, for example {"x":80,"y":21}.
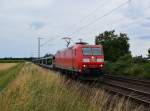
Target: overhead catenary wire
{"x":82,"y":19}
{"x":119,"y":25}
{"x":45,"y":43}
{"x":50,"y":40}
{"x":135,"y":21}
{"x":89,"y":15}
{"x":101,"y":17}
{"x":132,"y":23}
{"x":97,"y":19}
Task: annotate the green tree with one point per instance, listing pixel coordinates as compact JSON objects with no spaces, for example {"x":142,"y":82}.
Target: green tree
{"x":115,"y":46}
{"x":148,"y":53}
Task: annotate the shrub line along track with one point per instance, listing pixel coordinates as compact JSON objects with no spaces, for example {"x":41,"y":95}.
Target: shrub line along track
{"x":138,"y":90}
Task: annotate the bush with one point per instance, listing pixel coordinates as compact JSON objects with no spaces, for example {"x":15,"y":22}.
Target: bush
{"x":128,"y":66}
{"x":146,"y":68}
{"x":139,"y":60}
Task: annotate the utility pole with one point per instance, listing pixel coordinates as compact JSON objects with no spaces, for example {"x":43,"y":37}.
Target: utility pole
{"x":39,"y":46}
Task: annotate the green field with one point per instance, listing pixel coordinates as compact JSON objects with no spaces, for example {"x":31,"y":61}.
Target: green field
{"x":35,"y":89}
{"x":9,"y":74}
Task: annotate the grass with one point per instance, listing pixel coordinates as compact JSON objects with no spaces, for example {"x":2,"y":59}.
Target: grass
{"x":36,"y":89}
{"x":9,"y":74}
{"x":4,"y":66}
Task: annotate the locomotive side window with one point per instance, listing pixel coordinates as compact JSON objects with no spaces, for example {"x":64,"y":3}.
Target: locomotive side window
{"x":96,"y":51}
{"x":87,"y":51}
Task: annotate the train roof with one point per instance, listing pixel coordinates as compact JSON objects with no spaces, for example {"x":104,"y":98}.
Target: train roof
{"x":82,"y":43}
{"x":79,"y":44}
{"x":87,"y":45}
{"x":42,"y":58}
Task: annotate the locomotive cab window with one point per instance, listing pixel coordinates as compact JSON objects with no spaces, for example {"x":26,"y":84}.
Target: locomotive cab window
{"x":87,"y":51}
{"x":96,"y":51}
{"x":92,"y":51}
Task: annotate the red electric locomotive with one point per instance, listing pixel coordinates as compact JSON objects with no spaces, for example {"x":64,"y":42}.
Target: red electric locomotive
{"x":81,"y":60}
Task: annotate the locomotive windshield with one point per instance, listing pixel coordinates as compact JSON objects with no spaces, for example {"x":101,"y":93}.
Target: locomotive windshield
{"x":96,"y":51}
{"x":87,"y":51}
{"x":92,"y":51}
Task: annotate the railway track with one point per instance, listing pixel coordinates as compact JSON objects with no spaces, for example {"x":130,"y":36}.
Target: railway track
{"x":138,"y":90}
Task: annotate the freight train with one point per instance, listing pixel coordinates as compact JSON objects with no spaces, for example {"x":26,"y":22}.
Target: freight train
{"x":80,"y":60}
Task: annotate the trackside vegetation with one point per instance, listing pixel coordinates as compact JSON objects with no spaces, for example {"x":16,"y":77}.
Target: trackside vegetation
{"x":14,"y":60}
{"x":11,"y":61}
{"x":36,"y":89}
{"x":114,"y":45}
{"x":118,"y":57}
{"x":129,"y":67}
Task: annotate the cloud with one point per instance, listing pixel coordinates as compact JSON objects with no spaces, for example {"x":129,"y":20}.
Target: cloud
{"x":139,"y":46}
{"x":146,"y":24}
{"x":136,"y":9}
{"x":144,"y":37}
{"x":22,"y":21}
{"x":37,"y":25}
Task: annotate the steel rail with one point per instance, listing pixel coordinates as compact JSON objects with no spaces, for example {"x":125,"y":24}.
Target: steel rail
{"x":138,"y":90}
{"x":144,"y":83}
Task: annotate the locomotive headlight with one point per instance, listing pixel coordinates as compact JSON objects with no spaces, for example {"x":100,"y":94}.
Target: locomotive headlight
{"x":101,"y":65}
{"x":100,"y":60}
{"x":84,"y":66}
{"x":86,"y":60}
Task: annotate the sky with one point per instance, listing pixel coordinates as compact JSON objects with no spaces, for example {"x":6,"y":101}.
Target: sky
{"x":23,"y":21}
